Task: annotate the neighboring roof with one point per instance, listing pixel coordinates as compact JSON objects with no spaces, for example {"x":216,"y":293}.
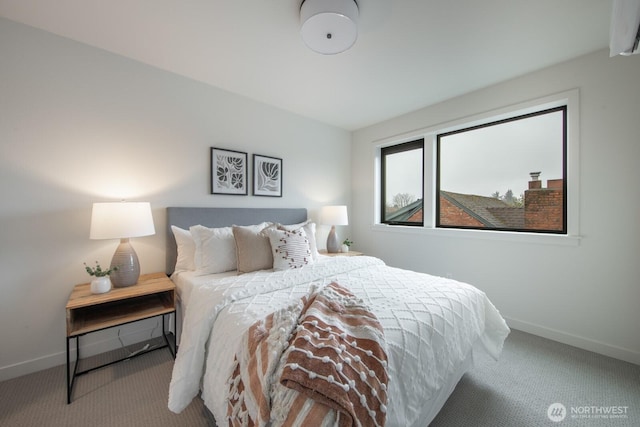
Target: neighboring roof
{"x":491,"y":212}
{"x":510,"y":217}
{"x":405,"y":213}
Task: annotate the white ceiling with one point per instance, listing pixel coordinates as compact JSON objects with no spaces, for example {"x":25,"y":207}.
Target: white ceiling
{"x":409,"y":53}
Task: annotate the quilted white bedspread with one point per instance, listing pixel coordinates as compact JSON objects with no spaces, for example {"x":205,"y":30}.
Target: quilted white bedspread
{"x":430,"y":324}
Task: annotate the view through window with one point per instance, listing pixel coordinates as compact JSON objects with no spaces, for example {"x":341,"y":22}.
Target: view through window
{"x":402,"y":183}
{"x":506,"y":175}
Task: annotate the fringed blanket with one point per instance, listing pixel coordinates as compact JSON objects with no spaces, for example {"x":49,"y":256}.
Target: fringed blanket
{"x":320,"y":363}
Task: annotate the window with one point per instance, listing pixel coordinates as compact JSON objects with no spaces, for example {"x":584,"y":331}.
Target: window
{"x":506,"y":175}
{"x":402,"y":195}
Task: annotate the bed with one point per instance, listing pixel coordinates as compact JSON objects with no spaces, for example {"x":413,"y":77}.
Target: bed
{"x":432,"y":325}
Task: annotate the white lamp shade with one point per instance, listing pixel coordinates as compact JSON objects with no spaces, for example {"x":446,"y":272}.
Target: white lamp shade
{"x":121,"y":220}
{"x":334,"y":215}
{"x":329,"y":26}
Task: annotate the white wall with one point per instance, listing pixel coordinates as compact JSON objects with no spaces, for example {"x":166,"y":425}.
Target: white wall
{"x":585,"y":295}
{"x":80,"y":125}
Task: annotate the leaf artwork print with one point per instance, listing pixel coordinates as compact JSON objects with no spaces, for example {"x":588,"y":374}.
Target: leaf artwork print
{"x":230,"y":171}
{"x":269,"y":176}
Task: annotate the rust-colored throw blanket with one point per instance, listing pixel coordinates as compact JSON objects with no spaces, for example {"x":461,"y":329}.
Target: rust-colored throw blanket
{"x":321,"y":363}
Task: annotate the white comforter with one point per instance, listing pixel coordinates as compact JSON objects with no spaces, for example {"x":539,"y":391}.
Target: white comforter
{"x":430,"y":325}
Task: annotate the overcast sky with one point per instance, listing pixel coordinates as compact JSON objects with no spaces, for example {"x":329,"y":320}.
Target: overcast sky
{"x":499,"y":158}
{"x":489,"y":159}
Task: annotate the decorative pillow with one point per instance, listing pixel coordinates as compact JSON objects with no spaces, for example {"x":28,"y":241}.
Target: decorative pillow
{"x":310,"y":229}
{"x":290,"y":249}
{"x":215,"y":250}
{"x":253,"y":250}
{"x":186,"y":249}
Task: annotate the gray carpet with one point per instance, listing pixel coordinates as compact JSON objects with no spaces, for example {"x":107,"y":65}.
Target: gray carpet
{"x":534,"y":373}
{"x":517,"y":390}
{"x":129,"y":393}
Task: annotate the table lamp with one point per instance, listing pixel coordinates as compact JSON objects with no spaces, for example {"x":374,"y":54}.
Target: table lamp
{"x":334,"y":215}
{"x":122,"y":220}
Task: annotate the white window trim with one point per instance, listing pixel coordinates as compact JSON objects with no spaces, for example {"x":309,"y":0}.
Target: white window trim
{"x":570,"y":98}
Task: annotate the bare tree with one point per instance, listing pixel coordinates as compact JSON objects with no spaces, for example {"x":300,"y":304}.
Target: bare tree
{"x":401,"y":200}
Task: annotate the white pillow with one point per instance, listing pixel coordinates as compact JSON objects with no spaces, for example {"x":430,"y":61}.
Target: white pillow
{"x":290,"y":249}
{"x":186,"y":249}
{"x":310,"y":229}
{"x":215,"y":250}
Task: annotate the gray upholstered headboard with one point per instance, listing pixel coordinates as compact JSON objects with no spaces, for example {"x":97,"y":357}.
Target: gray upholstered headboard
{"x":185,"y":217}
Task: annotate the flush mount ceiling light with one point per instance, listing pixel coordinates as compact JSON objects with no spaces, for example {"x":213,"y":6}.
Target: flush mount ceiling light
{"x":329,"y":26}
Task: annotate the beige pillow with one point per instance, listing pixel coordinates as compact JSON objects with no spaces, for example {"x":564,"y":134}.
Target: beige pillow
{"x":253,"y":250}
{"x":290,"y":249}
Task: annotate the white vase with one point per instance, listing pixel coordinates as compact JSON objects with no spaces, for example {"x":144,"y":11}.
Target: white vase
{"x":345,"y":248}
{"x":100,"y":285}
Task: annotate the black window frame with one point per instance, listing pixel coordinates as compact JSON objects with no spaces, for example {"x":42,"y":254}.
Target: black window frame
{"x":394,"y":149}
{"x":564,"y":230}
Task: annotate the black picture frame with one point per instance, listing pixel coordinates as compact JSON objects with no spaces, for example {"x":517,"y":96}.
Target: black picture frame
{"x":267,"y":176}
{"x":229,"y":172}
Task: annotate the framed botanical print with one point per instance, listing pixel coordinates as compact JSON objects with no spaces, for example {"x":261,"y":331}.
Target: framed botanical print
{"x":267,"y":176}
{"x":228,"y":172}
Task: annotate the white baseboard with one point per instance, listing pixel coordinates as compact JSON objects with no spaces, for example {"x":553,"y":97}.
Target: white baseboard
{"x":148,"y":329}
{"x":576,"y":341}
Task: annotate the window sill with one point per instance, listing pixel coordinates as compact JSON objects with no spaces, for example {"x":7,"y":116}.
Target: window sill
{"x":519,"y":237}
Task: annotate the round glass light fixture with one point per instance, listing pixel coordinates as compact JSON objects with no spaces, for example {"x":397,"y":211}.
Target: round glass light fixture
{"x":329,"y":26}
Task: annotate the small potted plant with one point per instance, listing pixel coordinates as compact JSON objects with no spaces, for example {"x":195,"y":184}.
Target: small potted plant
{"x":102,"y":282}
{"x":346,"y":245}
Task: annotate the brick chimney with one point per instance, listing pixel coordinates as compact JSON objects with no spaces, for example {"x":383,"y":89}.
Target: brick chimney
{"x":543,"y":207}
{"x":535,"y":183}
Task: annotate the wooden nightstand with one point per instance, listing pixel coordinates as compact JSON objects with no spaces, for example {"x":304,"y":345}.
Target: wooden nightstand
{"x":152,"y":296}
{"x":350,"y":253}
